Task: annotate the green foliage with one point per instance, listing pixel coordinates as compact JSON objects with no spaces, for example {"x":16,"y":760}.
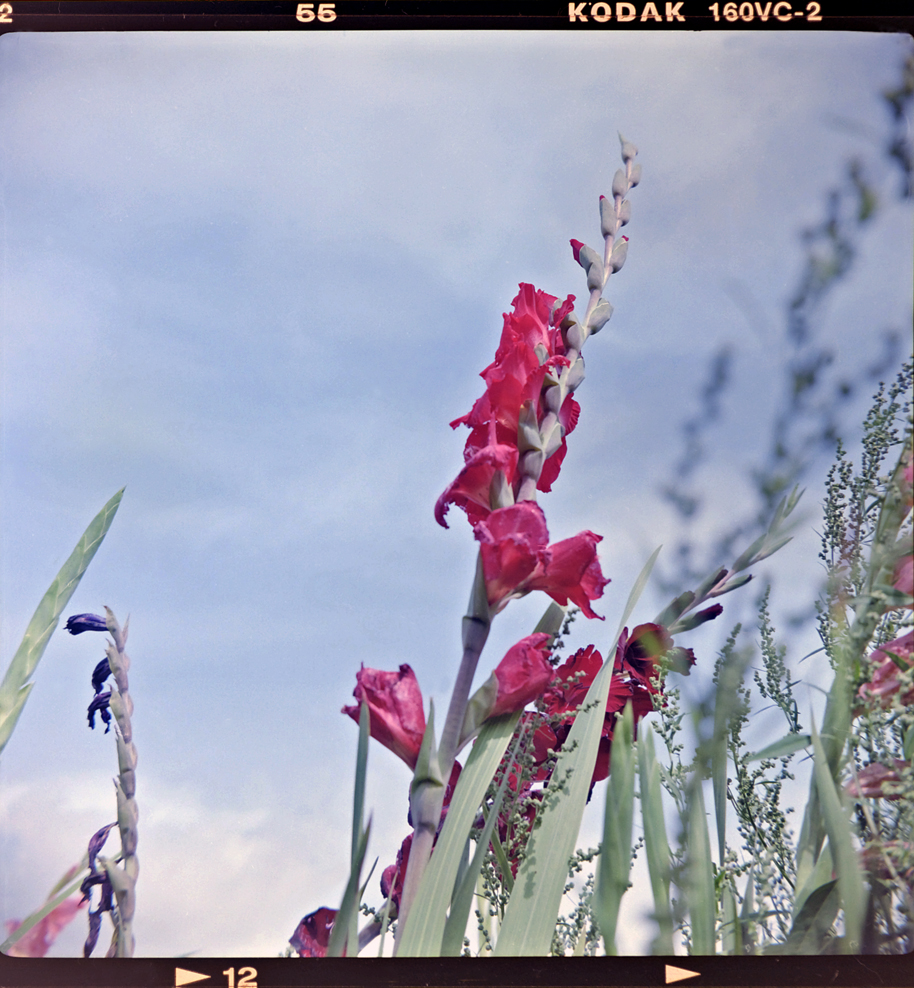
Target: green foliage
{"x":16,"y":685}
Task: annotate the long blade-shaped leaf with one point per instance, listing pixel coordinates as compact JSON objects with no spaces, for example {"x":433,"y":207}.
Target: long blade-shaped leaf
{"x":616,"y":854}
{"x":656,"y":845}
{"x":454,"y":929}
{"x":349,"y":907}
{"x":15,"y":688}
{"x":701,"y":898}
{"x":840,"y":837}
{"x":423,"y":933}
{"x":534,"y":905}
{"x":358,"y":807}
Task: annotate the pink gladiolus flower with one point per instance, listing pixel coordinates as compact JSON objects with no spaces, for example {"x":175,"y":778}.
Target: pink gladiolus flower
{"x":395,"y":709}
{"x":312,"y":935}
{"x":885,"y":681}
{"x":573,"y":573}
{"x":531,"y":344}
{"x":37,"y":942}
{"x":522,"y":674}
{"x":563,"y":698}
{"x":513,"y":541}
{"x":517,"y":558}
{"x":473,"y":487}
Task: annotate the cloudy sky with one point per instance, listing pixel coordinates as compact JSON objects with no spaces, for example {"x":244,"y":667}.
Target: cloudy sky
{"x":252,"y":277}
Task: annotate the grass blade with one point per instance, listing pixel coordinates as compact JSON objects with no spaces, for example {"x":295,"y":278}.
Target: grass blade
{"x":455,"y":927}
{"x":701,"y":898}
{"x":534,"y":905}
{"x":840,"y":837}
{"x":423,"y":934}
{"x":15,"y":688}
{"x":616,"y":855}
{"x":656,"y":845}
{"x":349,"y":907}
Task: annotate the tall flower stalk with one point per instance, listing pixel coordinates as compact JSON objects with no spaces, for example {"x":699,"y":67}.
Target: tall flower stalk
{"x":115,"y":877}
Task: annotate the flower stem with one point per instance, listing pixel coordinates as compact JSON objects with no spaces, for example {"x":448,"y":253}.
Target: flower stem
{"x":427,"y":809}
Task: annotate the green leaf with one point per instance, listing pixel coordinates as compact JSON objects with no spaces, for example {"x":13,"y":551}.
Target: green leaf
{"x":786,"y":746}
{"x":840,"y":837}
{"x":423,"y":933}
{"x":810,"y":930}
{"x":731,"y":930}
{"x":616,"y":854}
{"x":15,"y":688}
{"x":530,"y":916}
{"x":700,"y":879}
{"x":358,"y":807}
{"x":349,"y":907}
{"x":455,"y":927}
{"x":656,"y":845}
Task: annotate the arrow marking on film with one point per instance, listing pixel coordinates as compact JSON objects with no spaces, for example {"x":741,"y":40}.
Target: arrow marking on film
{"x":678,"y":973}
{"x":183,"y":977}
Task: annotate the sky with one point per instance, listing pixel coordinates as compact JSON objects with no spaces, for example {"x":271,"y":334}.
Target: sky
{"x":252,"y":278}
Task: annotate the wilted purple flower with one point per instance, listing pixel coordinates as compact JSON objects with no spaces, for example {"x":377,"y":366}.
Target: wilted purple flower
{"x":97,"y":842}
{"x":99,"y":705}
{"x":78,"y":623}
{"x":101,"y":672}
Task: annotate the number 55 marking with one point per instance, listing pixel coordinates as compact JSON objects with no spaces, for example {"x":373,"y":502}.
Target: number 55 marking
{"x":325,"y":12}
{"x":6,"y":13}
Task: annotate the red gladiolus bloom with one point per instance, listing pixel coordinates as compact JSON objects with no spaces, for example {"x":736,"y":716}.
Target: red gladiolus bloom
{"x":395,"y":709}
{"x":639,"y":654}
{"x":517,"y":559}
{"x":531,"y":344}
{"x":572,"y":573}
{"x":522,"y":674}
{"x":513,"y":541}
{"x":472,"y":488}
{"x":38,"y":941}
{"x":312,"y":935}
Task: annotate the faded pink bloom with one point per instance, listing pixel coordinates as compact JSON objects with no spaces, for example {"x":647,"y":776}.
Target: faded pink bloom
{"x":522,"y":674}
{"x":903,"y":577}
{"x":395,"y":709}
{"x":885,"y":681}
{"x":37,"y":942}
{"x":874,"y":779}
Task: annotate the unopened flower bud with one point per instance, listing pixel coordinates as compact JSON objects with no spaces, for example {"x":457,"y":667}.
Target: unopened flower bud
{"x":628,"y":149}
{"x":620,"y":183}
{"x":576,"y":374}
{"x":607,"y":217}
{"x":625,"y":212}
{"x":574,"y":337}
{"x":595,"y":276}
{"x":600,"y":316}
{"x":620,"y":252}
{"x":636,"y":175}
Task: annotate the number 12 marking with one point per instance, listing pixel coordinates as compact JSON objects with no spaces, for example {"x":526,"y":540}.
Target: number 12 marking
{"x":246,"y":977}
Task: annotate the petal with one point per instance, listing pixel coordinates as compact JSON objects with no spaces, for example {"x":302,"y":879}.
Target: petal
{"x":396,"y":715}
